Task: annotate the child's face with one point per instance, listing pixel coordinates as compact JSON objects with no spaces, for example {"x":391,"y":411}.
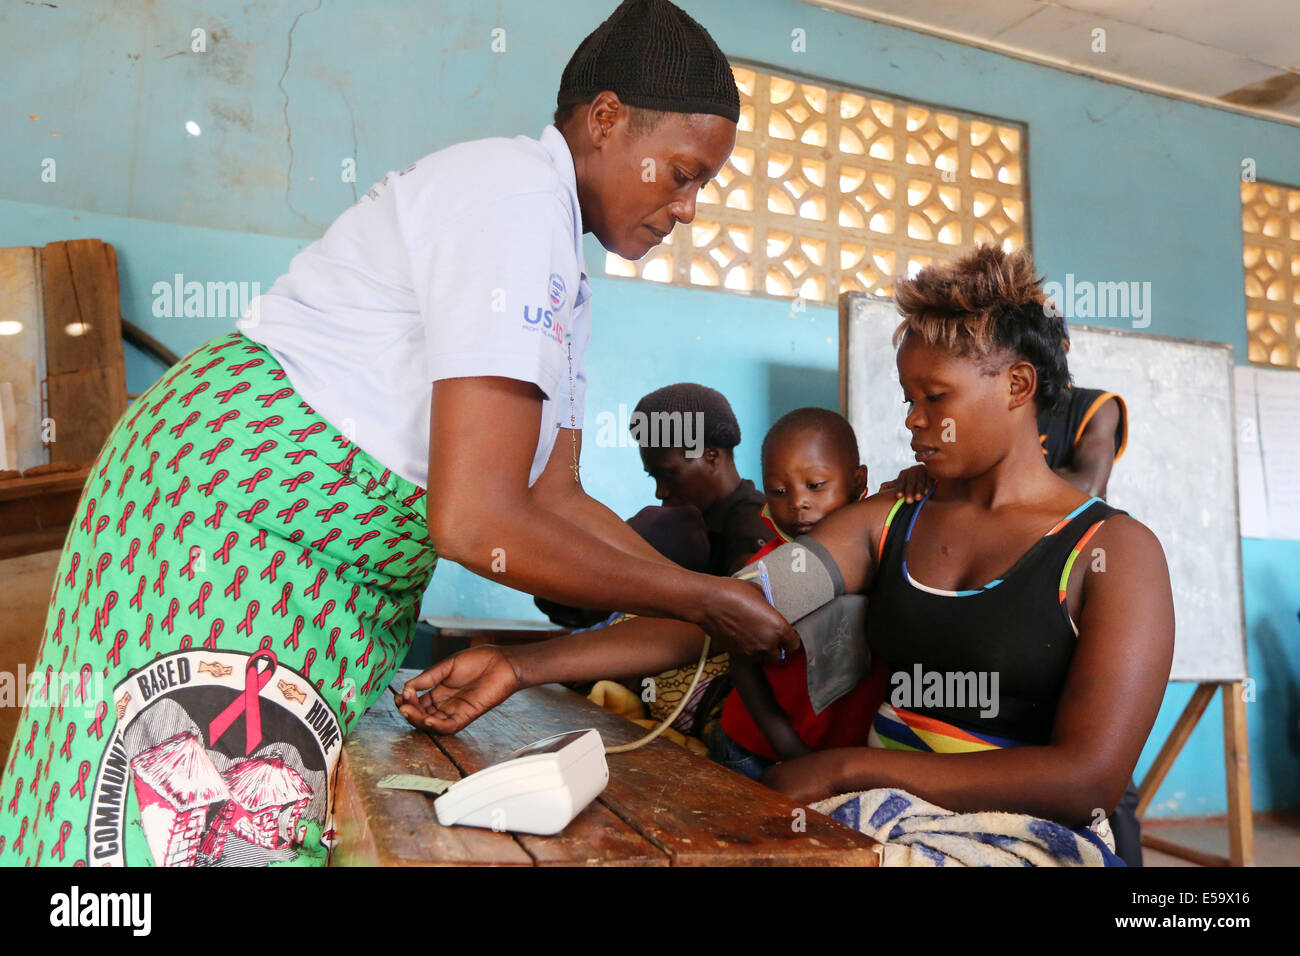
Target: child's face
{"x":805,"y":478}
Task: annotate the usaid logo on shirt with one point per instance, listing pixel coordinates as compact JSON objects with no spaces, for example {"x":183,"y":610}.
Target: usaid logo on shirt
{"x":537,"y":317}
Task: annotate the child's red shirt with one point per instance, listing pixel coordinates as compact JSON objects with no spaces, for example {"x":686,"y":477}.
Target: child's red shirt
{"x":845,"y":723}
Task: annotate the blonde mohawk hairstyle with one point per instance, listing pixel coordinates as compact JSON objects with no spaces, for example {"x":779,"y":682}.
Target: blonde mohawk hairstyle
{"x":984,"y":302}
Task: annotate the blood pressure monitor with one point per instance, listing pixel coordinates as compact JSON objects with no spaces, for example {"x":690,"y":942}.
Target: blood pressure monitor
{"x":537,"y":789}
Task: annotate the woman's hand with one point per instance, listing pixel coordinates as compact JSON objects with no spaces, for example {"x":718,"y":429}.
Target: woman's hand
{"x":458,"y":690}
{"x":736,"y":615}
{"x":806,"y":779}
{"x":911,"y":484}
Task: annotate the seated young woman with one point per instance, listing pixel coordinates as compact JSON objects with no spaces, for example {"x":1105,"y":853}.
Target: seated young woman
{"x":1005,"y":572}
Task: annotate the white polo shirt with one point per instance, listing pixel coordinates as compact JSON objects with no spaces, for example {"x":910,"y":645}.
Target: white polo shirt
{"x":466,"y":263}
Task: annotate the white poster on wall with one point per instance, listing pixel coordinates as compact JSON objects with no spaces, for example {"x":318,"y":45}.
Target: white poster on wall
{"x":1252,"y":499}
{"x":1268,"y":452}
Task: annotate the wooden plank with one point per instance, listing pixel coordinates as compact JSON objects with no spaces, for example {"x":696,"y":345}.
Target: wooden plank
{"x":355,"y":844}
{"x":85,"y":364}
{"x":1199,"y":857}
{"x":1173,"y":744}
{"x":85,"y":406}
{"x":378,"y":827}
{"x":22,"y":360}
{"x":1236,"y":756}
{"x":55,"y":482}
{"x":691,"y":808}
{"x":35,"y":511}
{"x":81,"y":289}
{"x":33,"y":542}
{"x":28,"y":581}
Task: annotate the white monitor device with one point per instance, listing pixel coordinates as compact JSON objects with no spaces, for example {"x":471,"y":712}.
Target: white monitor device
{"x":537,"y":789}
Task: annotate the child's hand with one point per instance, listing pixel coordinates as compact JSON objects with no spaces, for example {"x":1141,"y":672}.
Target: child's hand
{"x":911,"y":483}
{"x":805,"y":779}
{"x":796,"y":749}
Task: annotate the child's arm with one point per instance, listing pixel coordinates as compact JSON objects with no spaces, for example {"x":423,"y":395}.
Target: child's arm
{"x":756,"y":694}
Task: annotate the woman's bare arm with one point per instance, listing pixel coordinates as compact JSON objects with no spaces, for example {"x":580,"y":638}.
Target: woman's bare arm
{"x":558,"y":491}
{"x":461,"y":688}
{"x":482,"y":515}
{"x":634,"y":648}
{"x":456,"y":691}
{"x":852,"y":536}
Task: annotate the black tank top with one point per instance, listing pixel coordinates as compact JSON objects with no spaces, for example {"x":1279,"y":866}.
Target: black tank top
{"x":1016,"y":627}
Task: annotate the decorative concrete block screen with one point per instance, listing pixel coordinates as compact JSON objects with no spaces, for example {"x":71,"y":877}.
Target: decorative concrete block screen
{"x":832,"y":190}
{"x":1270,"y":227}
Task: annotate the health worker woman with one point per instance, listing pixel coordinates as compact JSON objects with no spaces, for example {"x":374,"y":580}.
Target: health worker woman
{"x":248,"y":558}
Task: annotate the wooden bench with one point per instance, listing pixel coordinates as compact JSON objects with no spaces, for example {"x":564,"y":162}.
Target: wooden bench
{"x":663,"y":806}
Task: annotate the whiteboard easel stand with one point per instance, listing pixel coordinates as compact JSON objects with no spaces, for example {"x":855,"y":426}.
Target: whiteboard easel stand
{"x":1236,"y":757}
{"x":1236,"y":743}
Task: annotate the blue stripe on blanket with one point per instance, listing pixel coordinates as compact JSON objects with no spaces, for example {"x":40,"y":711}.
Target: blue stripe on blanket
{"x":1060,"y":840}
{"x":1107,"y":854}
{"x":848,"y":814}
{"x":935,"y":856}
{"x":894,"y":805}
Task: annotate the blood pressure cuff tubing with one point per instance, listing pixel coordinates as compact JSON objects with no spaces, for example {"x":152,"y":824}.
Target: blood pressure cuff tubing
{"x":797,"y":578}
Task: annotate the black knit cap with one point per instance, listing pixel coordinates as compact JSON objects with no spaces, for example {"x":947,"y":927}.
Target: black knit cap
{"x":721,"y":430}
{"x":653,"y":55}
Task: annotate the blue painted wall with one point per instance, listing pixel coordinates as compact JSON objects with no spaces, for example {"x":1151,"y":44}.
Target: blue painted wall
{"x":1123,"y":185}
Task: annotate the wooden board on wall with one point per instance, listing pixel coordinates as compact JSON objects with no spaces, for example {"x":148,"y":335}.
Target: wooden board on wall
{"x":22,"y":352}
{"x":83,"y":341}
{"x":27,"y":583}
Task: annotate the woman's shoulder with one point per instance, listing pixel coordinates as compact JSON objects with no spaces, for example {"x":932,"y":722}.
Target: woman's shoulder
{"x":1123,"y":555}
{"x":1121,"y":530}
{"x":862,"y":520}
{"x":484,"y":171}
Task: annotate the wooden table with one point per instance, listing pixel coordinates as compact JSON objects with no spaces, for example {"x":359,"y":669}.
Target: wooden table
{"x":663,"y":806}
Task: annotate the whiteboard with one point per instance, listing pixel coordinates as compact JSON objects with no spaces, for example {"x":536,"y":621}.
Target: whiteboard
{"x":1178,"y":475}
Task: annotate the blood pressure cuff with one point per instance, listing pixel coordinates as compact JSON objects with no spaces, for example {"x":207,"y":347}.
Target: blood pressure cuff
{"x":835,"y":639}
{"x":797,"y":578}
{"x":802,"y":581}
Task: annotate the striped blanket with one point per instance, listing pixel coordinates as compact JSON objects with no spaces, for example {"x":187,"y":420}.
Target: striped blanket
{"x":913,"y":832}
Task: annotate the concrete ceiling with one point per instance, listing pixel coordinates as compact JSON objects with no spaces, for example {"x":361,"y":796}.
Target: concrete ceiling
{"x":1240,"y":56}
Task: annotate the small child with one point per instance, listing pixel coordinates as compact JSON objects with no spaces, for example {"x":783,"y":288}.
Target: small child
{"x":811,"y":468}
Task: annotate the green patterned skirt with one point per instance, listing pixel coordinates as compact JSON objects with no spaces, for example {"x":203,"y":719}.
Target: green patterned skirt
{"x":239,"y":582}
